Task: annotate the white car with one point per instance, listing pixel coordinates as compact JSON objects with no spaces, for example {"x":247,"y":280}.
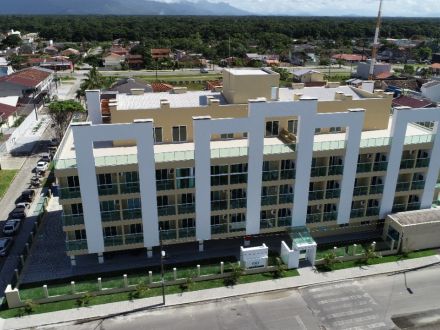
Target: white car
{"x":41,"y":166}
{"x":11,"y":226}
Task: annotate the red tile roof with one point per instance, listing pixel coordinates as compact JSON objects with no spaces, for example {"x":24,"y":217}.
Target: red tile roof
{"x":435,"y":65}
{"x":383,"y":75}
{"x":161,"y":87}
{"x":349,"y":57}
{"x":406,"y":101}
{"x":6,"y":110}
{"x":29,"y":77}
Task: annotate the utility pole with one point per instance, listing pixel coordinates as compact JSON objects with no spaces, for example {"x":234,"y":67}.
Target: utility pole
{"x":375,"y":43}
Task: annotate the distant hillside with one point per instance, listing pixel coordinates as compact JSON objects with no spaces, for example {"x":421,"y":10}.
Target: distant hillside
{"x":116,"y":7}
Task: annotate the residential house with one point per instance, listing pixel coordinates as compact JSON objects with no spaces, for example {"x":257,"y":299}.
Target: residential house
{"x":412,"y":102}
{"x":127,"y":85}
{"x":8,"y":111}
{"x":135,"y":62}
{"x":267,"y":59}
{"x":381,"y":70}
{"x":113,"y":61}
{"x":431,"y":90}
{"x":70,"y":52}
{"x":308,"y":76}
{"x":160,"y":53}
{"x":350,"y":58}
{"x":51,"y":50}
{"x":119,"y":50}
{"x":435,"y":69}
{"x":5,"y":68}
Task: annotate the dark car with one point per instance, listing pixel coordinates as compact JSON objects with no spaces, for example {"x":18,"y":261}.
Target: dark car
{"x":5,"y":245}
{"x":11,"y":227}
{"x":27,"y":196}
{"x":19,"y":212}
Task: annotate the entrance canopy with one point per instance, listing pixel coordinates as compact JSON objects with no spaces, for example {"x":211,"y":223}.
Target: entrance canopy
{"x":303,"y":242}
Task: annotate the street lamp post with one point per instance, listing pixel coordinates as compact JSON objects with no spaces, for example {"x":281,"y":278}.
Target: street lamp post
{"x":162,"y":255}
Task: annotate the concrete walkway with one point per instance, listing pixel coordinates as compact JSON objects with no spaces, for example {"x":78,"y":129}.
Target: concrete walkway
{"x":308,"y":277}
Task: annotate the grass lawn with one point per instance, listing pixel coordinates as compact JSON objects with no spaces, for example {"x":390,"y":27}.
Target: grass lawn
{"x":6,"y":177}
{"x":380,"y":260}
{"x":45,"y":308}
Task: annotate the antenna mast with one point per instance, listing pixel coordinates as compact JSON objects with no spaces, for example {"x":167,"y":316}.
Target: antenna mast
{"x":375,"y":43}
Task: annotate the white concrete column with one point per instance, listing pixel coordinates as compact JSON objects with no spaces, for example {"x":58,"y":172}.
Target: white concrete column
{"x":202,"y":158}
{"x":398,"y":131}
{"x":93,"y":100}
{"x":352,"y":145}
{"x":88,"y":186}
{"x":433,"y":172}
{"x":147,"y":181}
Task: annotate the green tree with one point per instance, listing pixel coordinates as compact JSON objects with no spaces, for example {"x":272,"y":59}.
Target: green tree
{"x":12,"y":41}
{"x":424,"y":53}
{"x":280,"y":268}
{"x":329,"y":260}
{"x":94,"y":80}
{"x":409,"y":69}
{"x":61,"y":113}
{"x":16,"y":61}
{"x":236,"y":273}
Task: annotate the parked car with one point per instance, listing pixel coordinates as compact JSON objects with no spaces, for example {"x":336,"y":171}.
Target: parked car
{"x":54,"y":142}
{"x":46,"y":158}
{"x":52,"y":150}
{"x":41,"y":167}
{"x":19,"y":212}
{"x":36,"y":181}
{"x":5,"y":245}
{"x":11,"y":226}
{"x":27,"y":196}
{"x":204,"y":70}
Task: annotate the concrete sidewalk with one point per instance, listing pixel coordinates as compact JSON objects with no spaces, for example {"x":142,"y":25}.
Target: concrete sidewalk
{"x":308,"y":277}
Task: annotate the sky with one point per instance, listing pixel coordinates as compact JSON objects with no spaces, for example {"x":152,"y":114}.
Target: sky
{"x":415,"y":8}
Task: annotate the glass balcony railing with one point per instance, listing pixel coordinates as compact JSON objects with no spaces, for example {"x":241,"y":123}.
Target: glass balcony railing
{"x":77,"y":245}
{"x":238,"y":178}
{"x":406,"y":163}
{"x":376,"y":189}
{"x":360,"y":191}
{"x":113,"y":240}
{"x":165,"y":210}
{"x":286,"y":198}
{"x":314,"y":217}
{"x":129,"y":188}
{"x":364,"y":167}
{"x":267,"y":223}
{"x":417,"y":185}
{"x":380,"y":166}
{"x":318,"y":171}
{"x":413,"y":206}
{"x":186,"y":208}
{"x":219,"y":205}
{"x":134,"y":238}
{"x":238,"y":203}
{"x":287,"y":174}
{"x":219,"y":229}
{"x":422,"y":162}
{"x":132,"y":214}
{"x":165,"y":184}
{"x":107,"y":189}
{"x":237,"y":226}
{"x":219,"y":180}
{"x":330,"y":216}
{"x":332,"y":193}
{"x":357,"y":213}
{"x":186,"y":183}
{"x":284,"y":221}
{"x":372,"y":211}
{"x":336,"y":170}
{"x":316,"y":195}
{"x":269,"y":200}
{"x":402,"y":186}
{"x":72,"y":219}
{"x":168,"y":234}
{"x":70,"y":192}
{"x":187,"y":232}
{"x":399,"y":208}
{"x":271,"y":175}
{"x":107,"y":216}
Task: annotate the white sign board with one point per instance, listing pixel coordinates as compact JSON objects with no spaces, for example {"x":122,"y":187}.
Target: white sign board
{"x":254,"y":257}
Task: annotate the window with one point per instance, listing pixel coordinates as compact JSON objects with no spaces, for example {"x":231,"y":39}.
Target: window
{"x":135,"y":228}
{"x":187,"y":223}
{"x":187,"y":198}
{"x":77,"y":235}
{"x":217,"y":220}
{"x":162,"y":201}
{"x":158,"y":134}
{"x":185,"y":178}
{"x":109,"y":206}
{"x":269,"y":191}
{"x":219,"y":175}
{"x":245,"y":135}
{"x":110,"y":231}
{"x":131,"y":204}
{"x":179,"y":133}
{"x":131,"y":176}
{"x":238,"y":193}
{"x":73,"y":181}
{"x":167,"y":225}
{"x":272,"y":128}
{"x":77,"y":208}
{"x":317,"y":130}
{"x":227,"y":136}
{"x":335,"y":129}
{"x":239,"y":173}
{"x":286,"y":189}
{"x":287,"y":164}
{"x":104,"y":179}
{"x":238,"y":217}
{"x":163,"y":175}
{"x":292,"y":126}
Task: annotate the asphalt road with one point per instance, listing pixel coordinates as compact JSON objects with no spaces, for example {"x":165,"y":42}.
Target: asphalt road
{"x":369,"y":303}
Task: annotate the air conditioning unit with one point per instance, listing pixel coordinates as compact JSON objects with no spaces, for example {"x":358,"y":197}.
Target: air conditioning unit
{"x":362,"y":203}
{"x":369,"y":156}
{"x":273,"y":212}
{"x":411,"y":152}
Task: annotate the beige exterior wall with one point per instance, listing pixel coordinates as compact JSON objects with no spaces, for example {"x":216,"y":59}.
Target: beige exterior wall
{"x":312,"y":77}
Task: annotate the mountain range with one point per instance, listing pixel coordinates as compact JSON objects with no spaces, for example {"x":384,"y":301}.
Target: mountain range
{"x":117,"y":7}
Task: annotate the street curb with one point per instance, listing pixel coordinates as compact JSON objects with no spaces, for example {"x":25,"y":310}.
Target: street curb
{"x":233,"y":296}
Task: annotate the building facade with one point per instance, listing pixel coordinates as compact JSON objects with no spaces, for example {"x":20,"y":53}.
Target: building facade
{"x":195,"y":166}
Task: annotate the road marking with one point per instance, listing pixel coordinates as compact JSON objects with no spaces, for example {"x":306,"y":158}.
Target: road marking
{"x":334,"y":286}
{"x":369,"y":326}
{"x":347,"y":305}
{"x":300,"y":322}
{"x":355,"y":320}
{"x":349,"y":313}
{"x":335,"y":300}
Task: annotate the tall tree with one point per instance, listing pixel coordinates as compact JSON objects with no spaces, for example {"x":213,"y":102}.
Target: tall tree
{"x":61,"y":113}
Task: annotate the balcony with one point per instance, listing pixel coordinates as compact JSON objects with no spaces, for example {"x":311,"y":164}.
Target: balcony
{"x":372,"y":211}
{"x":70,"y":192}
{"x":376,"y":189}
{"x":238,"y":203}
{"x":72,"y":219}
{"x":422,"y":162}
{"x":316,"y":195}
{"x":287,"y":174}
{"x":219,"y":180}
{"x":402,"y":186}
{"x":187,"y":232}
{"x":332,"y":193}
{"x":406,"y":163}
{"x":360,"y":191}
{"x":186,"y":183}
{"x":219,"y":205}
{"x":399,"y":208}
{"x":318,"y":171}
{"x":363,"y":167}
{"x":413,"y":206}
{"x":165,"y":185}
{"x":330,"y":216}
{"x":237,"y":226}
{"x":186,"y":208}
{"x":380,"y":166}
{"x":113,"y":240}
{"x":336,"y":170}
{"x":271,"y":175}
{"x":168,"y":234}
{"x":107,"y":189}
{"x":134,"y":238}
{"x":219,"y":229}
{"x":269,"y":200}
{"x":107,"y":216}
{"x":314,"y":217}
{"x":267,"y":223}
{"x":132,"y":214}
{"x":357,"y":213}
{"x":76,"y":245}
{"x":238,"y":178}
{"x":286,"y":198}
{"x":129,"y":188}
{"x":165,"y":210}
{"x":284,"y":221}
{"x":417,"y":185}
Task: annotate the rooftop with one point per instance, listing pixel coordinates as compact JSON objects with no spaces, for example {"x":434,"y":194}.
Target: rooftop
{"x":29,"y":77}
{"x":246,"y":72}
{"x":416,"y":217}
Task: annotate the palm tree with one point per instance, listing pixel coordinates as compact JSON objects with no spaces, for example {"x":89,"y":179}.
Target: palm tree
{"x":94,"y":80}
